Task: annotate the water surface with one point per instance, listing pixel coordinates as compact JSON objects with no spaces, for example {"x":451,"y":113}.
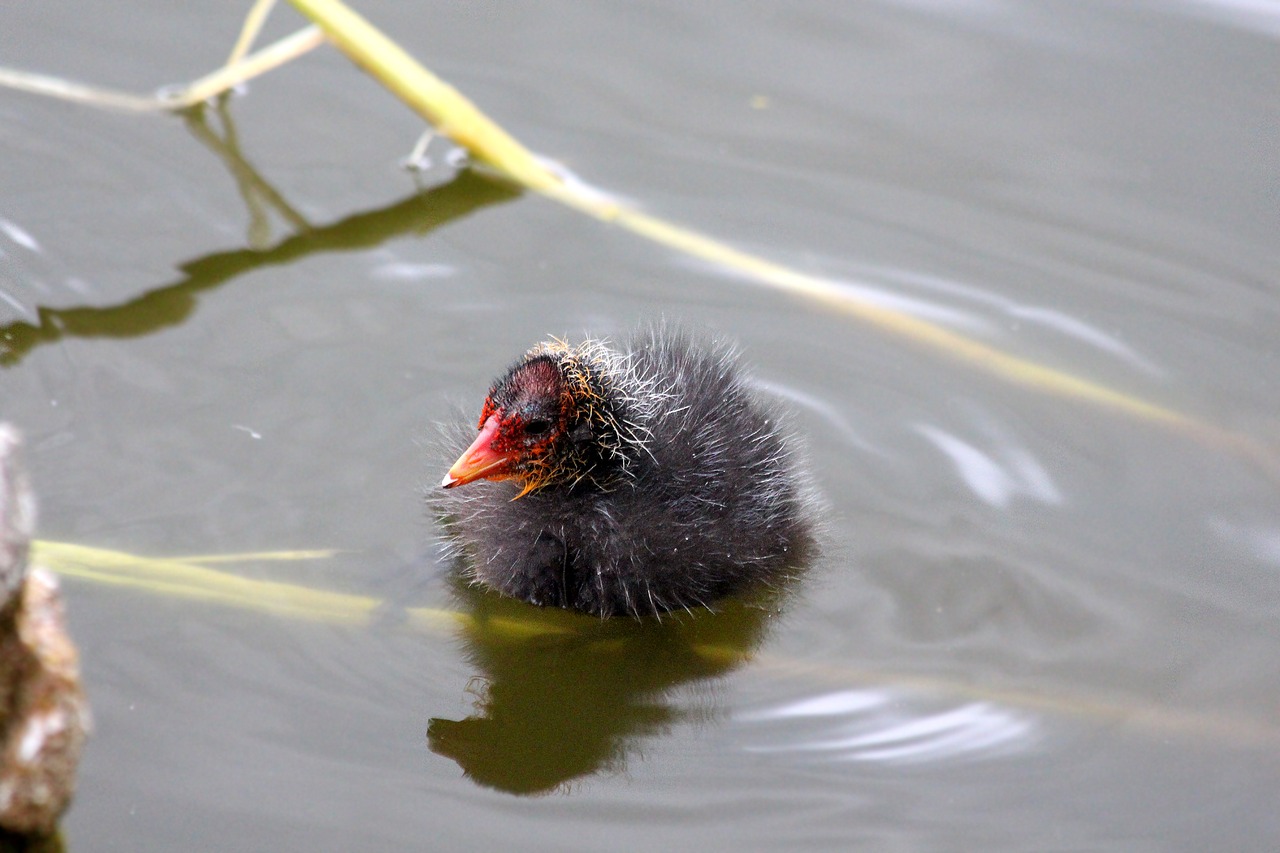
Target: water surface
{"x":1035,"y":623}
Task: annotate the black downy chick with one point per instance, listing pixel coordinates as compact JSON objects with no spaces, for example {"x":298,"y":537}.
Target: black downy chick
{"x":628,"y":482}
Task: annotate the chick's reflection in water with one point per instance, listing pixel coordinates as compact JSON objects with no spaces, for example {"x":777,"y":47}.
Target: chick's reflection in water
{"x":560,"y":695}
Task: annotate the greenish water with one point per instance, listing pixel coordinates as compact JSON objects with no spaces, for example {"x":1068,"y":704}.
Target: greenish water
{"x":1033,"y":624}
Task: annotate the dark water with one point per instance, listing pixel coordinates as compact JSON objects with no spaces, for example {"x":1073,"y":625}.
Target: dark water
{"x":1037,"y":623}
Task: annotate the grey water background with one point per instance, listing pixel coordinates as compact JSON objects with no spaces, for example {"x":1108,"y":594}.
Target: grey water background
{"x":1035,"y":624}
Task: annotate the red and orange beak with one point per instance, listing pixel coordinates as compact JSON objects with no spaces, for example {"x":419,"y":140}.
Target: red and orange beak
{"x":480,"y":461}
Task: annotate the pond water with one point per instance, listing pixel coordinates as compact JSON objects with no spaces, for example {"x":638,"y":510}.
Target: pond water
{"x":1035,"y":623}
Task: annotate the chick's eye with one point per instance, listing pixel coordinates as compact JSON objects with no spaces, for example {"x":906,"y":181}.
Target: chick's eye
{"x":537,"y":426}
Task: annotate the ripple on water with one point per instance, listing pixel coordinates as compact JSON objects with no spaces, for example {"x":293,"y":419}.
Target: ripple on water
{"x":887,"y":727}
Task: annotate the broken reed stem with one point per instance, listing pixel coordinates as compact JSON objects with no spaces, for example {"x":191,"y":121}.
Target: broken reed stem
{"x":253,"y":23}
{"x":273,"y":56}
{"x":170,"y":99}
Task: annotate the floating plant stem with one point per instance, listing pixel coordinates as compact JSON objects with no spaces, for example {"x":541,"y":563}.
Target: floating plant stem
{"x":455,"y":116}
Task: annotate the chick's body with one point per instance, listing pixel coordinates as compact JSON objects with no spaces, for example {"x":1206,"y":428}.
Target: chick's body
{"x":647,"y":480}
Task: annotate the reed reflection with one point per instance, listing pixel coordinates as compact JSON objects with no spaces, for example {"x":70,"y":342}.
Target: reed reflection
{"x":170,"y":304}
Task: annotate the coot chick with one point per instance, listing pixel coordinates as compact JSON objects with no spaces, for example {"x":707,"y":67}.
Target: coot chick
{"x":630,"y":481}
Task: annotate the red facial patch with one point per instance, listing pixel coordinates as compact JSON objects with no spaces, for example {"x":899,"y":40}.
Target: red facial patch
{"x":488,"y":410}
{"x":534,"y":393}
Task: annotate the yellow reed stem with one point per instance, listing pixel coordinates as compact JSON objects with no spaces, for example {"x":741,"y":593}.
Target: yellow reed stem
{"x":181,"y":578}
{"x":458,"y":118}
